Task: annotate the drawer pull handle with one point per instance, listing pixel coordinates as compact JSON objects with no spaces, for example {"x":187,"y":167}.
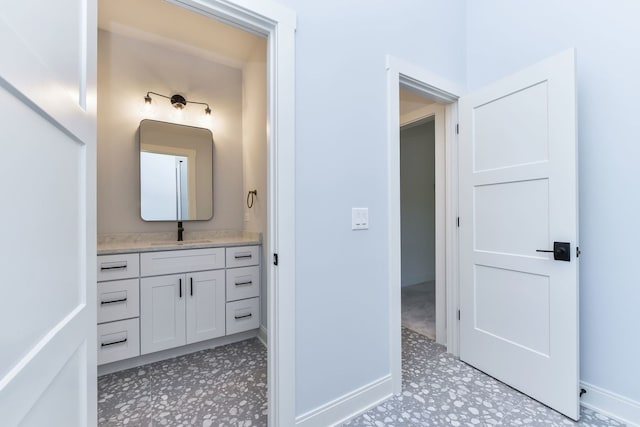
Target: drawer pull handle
{"x":243,"y":316}
{"x":180,"y":287}
{"x":106,"y":344}
{"x":191,"y":286}
{"x":244,"y":283}
{"x":113,"y":267}
{"x":113,"y":301}
{"x":242,"y":256}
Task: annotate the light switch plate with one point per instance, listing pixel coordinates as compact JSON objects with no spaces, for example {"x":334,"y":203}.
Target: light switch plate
{"x":359,"y":218}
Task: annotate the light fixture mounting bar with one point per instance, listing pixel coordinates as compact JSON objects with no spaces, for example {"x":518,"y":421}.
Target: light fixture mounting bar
{"x":177,"y":100}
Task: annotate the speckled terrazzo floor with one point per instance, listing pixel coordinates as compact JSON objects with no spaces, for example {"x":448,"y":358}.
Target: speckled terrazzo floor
{"x":439,"y":390}
{"x":225,"y":386}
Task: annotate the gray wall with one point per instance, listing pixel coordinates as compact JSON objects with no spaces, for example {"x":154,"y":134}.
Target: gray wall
{"x":504,"y":36}
{"x":127,"y":69}
{"x":417,"y":198}
{"x":254,"y":155}
{"x":342,"y":276}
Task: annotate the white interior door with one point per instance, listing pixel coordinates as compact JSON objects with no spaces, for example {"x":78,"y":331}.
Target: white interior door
{"x":518,"y":194}
{"x":47,"y":188}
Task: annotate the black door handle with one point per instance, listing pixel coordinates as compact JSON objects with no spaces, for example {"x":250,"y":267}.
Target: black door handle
{"x":561,"y":251}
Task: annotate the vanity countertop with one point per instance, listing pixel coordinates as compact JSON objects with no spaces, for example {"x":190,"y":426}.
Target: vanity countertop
{"x":122,"y":243}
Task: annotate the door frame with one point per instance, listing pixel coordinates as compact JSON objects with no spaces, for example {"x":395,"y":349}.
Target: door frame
{"x":428,"y":84}
{"x":277,"y":23}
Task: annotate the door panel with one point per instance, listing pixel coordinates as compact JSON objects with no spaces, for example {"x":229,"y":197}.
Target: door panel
{"x":513,"y":306}
{"x":47,"y":98}
{"x":512,"y":130}
{"x":518,"y":194}
{"x":205,"y":305}
{"x":512,"y":217}
{"x":162,"y":313}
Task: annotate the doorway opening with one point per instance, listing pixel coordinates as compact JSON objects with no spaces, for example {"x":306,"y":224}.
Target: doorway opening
{"x":422,"y":206}
{"x":230,"y":61}
{"x":432,"y":97}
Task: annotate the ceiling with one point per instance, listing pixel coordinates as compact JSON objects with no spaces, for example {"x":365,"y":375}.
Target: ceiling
{"x":410,"y":102}
{"x":172,"y":26}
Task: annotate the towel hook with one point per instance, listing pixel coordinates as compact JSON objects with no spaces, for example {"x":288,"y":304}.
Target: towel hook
{"x":250,"y":198}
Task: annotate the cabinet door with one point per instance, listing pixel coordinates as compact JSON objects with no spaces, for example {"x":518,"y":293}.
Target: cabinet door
{"x":162,"y":312}
{"x":205,"y":294}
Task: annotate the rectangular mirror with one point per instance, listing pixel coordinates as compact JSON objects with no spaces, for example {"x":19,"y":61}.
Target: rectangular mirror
{"x":176,"y":172}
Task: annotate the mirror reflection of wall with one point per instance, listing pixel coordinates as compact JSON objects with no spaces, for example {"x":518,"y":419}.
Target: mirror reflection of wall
{"x":164,"y":186}
{"x":176,"y":172}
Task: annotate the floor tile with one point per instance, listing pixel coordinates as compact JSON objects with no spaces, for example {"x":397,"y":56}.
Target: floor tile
{"x":227,"y":386}
{"x":440,"y":390}
{"x":222,"y":386}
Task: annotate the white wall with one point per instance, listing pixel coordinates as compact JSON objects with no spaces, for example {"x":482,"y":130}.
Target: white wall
{"x":254,"y":154}
{"x":418,"y":203}
{"x":127,"y":70}
{"x":504,"y":36}
{"x":342,"y":276}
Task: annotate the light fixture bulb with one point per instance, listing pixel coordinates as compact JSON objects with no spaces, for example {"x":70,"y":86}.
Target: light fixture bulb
{"x":207,"y":111}
{"x":147,"y":99}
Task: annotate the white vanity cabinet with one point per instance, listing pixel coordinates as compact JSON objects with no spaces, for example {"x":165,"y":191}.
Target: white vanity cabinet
{"x":118,"y":307}
{"x":243,"y":289}
{"x":163,"y":299}
{"x":181,"y":309}
{"x":184,"y":308}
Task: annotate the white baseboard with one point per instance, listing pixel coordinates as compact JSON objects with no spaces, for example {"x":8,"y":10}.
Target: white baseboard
{"x":348,"y":406}
{"x":263,"y":335}
{"x":611,"y":404}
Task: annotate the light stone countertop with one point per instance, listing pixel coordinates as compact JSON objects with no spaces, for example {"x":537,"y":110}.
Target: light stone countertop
{"x":122,"y":243}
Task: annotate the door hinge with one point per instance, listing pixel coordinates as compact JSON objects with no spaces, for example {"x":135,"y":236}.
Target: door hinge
{"x":578,"y":252}
{"x":458,"y":222}
{"x":457,"y":129}
{"x":275,"y":259}
{"x":458,"y":314}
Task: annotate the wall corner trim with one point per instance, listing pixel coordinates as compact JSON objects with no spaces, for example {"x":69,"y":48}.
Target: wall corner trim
{"x":349,"y":405}
{"x":263,"y":335}
{"x":611,"y":404}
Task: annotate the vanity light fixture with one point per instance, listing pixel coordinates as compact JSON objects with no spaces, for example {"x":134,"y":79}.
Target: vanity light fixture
{"x":178,"y":101}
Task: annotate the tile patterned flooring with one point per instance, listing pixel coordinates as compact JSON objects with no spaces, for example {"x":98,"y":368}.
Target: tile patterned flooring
{"x":440,"y":390}
{"x":226,"y":386}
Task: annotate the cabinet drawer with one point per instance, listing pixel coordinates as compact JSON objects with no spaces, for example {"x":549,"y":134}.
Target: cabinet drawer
{"x":116,"y":267}
{"x":181,"y":261}
{"x":243,"y":256}
{"x":118,"y":340}
{"x":243,"y":283}
{"x":243,"y":315}
{"x":118,"y":300}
